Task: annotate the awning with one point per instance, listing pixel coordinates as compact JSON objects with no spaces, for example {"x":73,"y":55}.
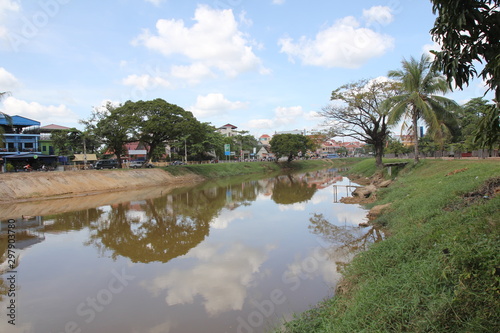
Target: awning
{"x":24,"y":156}
{"x":81,"y":157}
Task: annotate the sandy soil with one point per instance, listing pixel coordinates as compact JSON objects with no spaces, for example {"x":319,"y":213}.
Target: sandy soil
{"x":24,"y":186}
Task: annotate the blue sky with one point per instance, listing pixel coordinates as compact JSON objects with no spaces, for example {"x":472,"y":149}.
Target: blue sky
{"x":261,"y":65}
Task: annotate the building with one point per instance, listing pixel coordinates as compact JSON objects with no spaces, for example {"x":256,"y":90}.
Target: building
{"x":227,"y":130}
{"x":265,"y":140}
{"x":297,"y":132}
{"x":46,"y":142}
{"x":136,"y":151}
{"x":17,"y":137}
{"x":20,"y":144}
{"x":340,"y":148}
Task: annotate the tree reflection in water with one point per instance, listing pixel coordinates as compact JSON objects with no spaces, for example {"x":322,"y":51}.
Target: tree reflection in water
{"x":290,"y":189}
{"x":349,"y":238}
{"x":161,"y":232}
{"x":166,"y":227}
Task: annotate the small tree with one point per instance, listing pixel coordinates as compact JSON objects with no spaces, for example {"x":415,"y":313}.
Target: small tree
{"x":468,"y":120}
{"x":290,"y":145}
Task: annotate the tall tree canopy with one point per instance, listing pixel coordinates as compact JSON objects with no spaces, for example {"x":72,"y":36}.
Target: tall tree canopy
{"x":290,"y":145}
{"x":112,"y":127}
{"x":469,"y":31}
{"x":358,"y":111}
{"x":420,"y":98}
{"x":156,"y":122}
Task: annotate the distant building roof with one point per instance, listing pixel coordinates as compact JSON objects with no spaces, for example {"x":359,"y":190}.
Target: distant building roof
{"x":265,"y":136}
{"x":18,"y":121}
{"x":228,"y":126}
{"x":54,"y":127}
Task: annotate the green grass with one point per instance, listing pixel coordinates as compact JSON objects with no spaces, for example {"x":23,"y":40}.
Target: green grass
{"x":439,"y":271}
{"x":220,"y":170}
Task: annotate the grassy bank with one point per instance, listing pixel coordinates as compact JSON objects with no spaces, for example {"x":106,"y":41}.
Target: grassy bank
{"x":220,"y":170}
{"x":439,"y":271}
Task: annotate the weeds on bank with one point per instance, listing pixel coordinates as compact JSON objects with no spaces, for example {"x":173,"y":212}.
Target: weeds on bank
{"x":220,"y":170}
{"x":440,"y":269}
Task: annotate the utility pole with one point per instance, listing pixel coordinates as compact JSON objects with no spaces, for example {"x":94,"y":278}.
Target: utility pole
{"x":185,"y":151}
{"x":84,"y":153}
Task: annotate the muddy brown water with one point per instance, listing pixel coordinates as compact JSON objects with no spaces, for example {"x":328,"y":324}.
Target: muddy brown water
{"x":225,"y":256}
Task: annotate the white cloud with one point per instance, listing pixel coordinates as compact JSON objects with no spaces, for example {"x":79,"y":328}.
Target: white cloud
{"x":215,"y":104}
{"x":146,"y":82}
{"x":7,"y":80}
{"x":283,"y":116}
{"x":288,"y":115}
{"x":261,"y":124}
{"x":380,"y":15}
{"x":213,"y":41}
{"x":220,"y":277}
{"x":427,"y":48}
{"x":6,"y":9}
{"x":344,"y":44}
{"x":155,"y":2}
{"x":312,"y":115}
{"x":50,"y":114}
{"x":298,"y":207}
{"x":193,"y":73}
{"x":226,"y":217}
{"x":278,"y":2}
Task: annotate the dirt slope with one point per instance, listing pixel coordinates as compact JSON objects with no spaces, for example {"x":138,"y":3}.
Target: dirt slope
{"x":55,"y":184}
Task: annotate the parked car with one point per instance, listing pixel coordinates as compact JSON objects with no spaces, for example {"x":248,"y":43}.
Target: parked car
{"x":106,"y":164}
{"x":177,"y":163}
{"x":140,"y":164}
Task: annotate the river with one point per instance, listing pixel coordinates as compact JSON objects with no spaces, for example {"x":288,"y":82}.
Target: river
{"x":234,"y":255}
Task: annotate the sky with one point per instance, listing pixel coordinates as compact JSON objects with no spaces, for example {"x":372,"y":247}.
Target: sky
{"x":264,"y":66}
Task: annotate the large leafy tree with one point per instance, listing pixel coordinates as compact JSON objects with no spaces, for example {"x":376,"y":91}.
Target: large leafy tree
{"x":359,"y":111}
{"x":487,"y":134}
{"x":469,"y":118}
{"x":112,"y":127}
{"x":156,"y":122}
{"x":68,"y":142}
{"x":421,"y":99}
{"x":200,"y":141}
{"x":469,"y":33}
{"x":290,"y":145}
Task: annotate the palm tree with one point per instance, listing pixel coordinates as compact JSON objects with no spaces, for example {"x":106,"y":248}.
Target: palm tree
{"x":4,"y":115}
{"x":418,"y":100}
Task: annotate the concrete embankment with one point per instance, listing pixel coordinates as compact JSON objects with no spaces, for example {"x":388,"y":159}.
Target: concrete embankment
{"x":45,"y":185}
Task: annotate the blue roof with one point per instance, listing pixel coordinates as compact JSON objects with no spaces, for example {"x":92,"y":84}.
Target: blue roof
{"x":18,"y":121}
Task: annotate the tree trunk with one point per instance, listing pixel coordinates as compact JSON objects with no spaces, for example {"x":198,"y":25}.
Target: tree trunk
{"x":379,"y":152}
{"x":149,"y":154}
{"x":415,"y":135}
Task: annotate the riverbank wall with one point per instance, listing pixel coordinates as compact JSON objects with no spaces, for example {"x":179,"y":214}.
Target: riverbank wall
{"x":26,"y":186}
{"x":30,"y":186}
